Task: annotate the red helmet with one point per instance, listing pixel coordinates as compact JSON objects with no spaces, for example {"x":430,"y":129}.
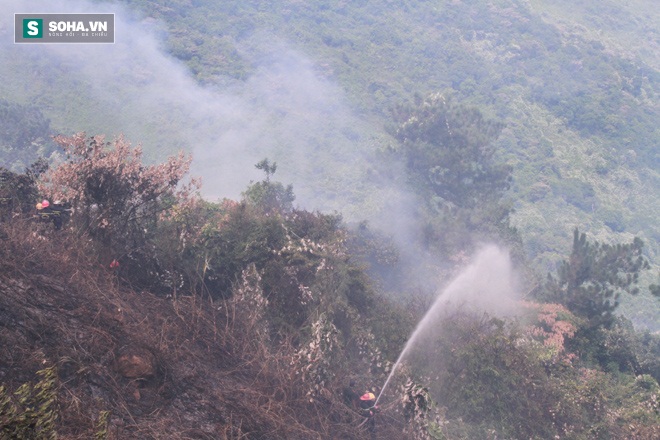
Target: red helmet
{"x":368,"y":396}
{"x":45,"y":203}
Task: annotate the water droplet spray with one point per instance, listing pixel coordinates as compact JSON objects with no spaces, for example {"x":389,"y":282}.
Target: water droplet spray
{"x":486,"y":284}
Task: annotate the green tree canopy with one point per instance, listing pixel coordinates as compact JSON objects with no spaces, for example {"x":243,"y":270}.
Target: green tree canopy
{"x":449,"y":153}
{"x":451,"y":163}
{"x":595,"y":275}
{"x":269,"y":196}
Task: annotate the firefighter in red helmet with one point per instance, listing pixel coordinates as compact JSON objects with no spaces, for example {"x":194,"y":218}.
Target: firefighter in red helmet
{"x":368,"y":409}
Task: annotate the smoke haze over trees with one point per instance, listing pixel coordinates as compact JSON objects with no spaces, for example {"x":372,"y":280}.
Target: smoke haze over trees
{"x":358,"y":161}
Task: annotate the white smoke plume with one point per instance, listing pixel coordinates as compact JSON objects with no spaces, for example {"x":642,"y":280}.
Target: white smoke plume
{"x":286,"y":110}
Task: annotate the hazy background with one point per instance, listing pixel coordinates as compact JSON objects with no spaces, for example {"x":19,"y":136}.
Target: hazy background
{"x":285,"y":110}
{"x":311,"y":89}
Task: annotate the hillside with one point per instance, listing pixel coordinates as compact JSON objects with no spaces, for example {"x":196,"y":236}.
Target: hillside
{"x":251,"y":319}
{"x":162,"y":369}
{"x":144,"y":304}
{"x":311,"y":85}
{"x":477,"y":177}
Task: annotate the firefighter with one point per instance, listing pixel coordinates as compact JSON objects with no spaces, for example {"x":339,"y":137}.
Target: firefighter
{"x":46,"y":213}
{"x":368,"y":409}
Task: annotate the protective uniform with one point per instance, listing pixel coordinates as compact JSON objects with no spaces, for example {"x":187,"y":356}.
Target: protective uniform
{"x":368,"y":409}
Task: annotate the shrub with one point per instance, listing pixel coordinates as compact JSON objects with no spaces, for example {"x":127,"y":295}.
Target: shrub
{"x":115,"y":198}
{"x":32,"y":413}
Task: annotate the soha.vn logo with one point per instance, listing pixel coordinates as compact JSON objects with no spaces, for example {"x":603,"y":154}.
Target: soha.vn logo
{"x":33,"y":28}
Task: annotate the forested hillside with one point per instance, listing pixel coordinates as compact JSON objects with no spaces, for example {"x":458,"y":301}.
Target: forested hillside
{"x":477,"y":177}
{"x":145,"y":303}
{"x":312,"y":85}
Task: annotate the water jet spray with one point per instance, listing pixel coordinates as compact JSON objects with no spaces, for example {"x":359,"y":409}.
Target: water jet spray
{"x":487,"y":284}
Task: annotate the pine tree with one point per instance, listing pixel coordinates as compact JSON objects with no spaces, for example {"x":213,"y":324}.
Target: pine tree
{"x":595,"y":276}
{"x":450,"y":160}
{"x":449,"y":152}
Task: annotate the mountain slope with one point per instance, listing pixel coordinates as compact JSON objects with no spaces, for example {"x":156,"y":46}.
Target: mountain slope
{"x":310,"y":85}
{"x":163,"y":368}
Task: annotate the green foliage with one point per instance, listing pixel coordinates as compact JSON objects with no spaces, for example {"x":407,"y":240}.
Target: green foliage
{"x":559,"y":79}
{"x":270,"y":196}
{"x":590,"y":284}
{"x":495,"y":379}
{"x":492,"y":380}
{"x":374,"y":247}
{"x":554,"y":86}
{"x":101,"y":432}
{"x":418,"y":410}
{"x":591,"y":281}
{"x":299,"y":256}
{"x":647,"y":352}
{"x":655,"y":288}
{"x":267,"y":168}
{"x":33,"y":411}
{"x":448,"y":152}
{"x":202,"y":247}
{"x":416,"y":401}
{"x":577,"y":193}
{"x":598,"y":405}
{"x":451,"y":162}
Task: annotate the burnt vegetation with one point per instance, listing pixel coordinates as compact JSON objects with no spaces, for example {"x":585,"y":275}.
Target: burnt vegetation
{"x":236,"y":319}
{"x":148,"y":312}
{"x":153,"y":313}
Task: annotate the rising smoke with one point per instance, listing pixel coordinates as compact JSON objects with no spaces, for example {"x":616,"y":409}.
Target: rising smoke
{"x":286,"y":110}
